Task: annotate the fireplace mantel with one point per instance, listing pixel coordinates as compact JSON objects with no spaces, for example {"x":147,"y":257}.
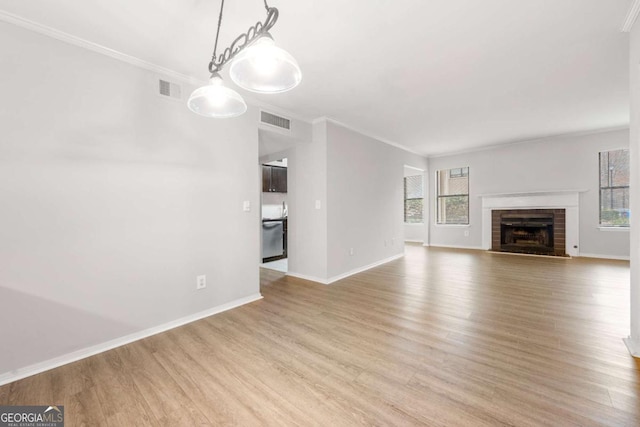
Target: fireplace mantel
{"x":533,"y":193}
{"x":568,"y":200}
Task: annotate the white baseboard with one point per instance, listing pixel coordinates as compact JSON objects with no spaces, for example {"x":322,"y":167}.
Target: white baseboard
{"x":365,"y":268}
{"x":27,"y":371}
{"x":479,"y":248}
{"x":622,"y":258}
{"x":305,"y":277}
{"x":632,"y":346}
{"x":344,"y":275}
{"x":413,"y":241}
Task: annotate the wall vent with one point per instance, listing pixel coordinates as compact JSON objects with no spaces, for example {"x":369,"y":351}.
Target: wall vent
{"x":169,"y":89}
{"x":273,"y":120}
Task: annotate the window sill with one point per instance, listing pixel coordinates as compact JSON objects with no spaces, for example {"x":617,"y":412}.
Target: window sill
{"x":614,"y":228}
{"x":453,"y":225}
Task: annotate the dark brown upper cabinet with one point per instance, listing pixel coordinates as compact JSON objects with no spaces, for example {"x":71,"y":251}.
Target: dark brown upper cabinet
{"x":274,"y":179}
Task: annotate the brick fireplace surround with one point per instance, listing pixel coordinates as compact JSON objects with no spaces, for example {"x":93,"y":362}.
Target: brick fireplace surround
{"x":559,"y":231}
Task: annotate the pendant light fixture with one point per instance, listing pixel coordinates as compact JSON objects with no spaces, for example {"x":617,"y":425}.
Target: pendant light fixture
{"x":265,"y":68}
{"x":257,"y":65}
{"x":216,"y":100}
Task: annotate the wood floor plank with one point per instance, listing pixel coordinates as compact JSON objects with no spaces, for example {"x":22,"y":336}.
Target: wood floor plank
{"x":209,"y":392}
{"x":170,"y":404}
{"x":84,"y":409}
{"x":441,"y":337}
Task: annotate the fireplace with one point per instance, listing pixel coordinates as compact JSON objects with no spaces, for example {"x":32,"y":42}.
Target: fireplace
{"x":531,"y":231}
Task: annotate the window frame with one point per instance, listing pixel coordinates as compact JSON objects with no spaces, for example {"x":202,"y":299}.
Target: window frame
{"x":464,"y":173}
{"x":611,"y":188}
{"x":404,"y":195}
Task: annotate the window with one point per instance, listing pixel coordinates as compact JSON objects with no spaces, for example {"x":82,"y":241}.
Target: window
{"x":458,"y":172}
{"x":614,"y":188}
{"x":452,"y":189}
{"x":413,"y":199}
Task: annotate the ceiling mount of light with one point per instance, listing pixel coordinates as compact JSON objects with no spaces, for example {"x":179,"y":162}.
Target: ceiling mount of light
{"x":257,"y":65}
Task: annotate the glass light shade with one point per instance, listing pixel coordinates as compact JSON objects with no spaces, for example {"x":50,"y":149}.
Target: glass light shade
{"x":216,"y":100}
{"x":265,"y":68}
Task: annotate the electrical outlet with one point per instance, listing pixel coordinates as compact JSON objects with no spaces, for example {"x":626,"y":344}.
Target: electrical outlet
{"x":466,"y":233}
{"x":318,"y":204}
{"x":351,"y":251}
{"x":201,"y":282}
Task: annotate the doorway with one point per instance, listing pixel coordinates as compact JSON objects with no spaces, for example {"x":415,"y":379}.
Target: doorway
{"x":274,"y":215}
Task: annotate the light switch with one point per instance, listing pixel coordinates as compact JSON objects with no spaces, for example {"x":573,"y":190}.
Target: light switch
{"x":246,"y":206}
{"x":318,"y":205}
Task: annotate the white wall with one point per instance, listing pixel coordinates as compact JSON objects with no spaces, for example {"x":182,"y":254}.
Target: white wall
{"x":113,"y":200}
{"x":307,"y":183}
{"x":364,"y":199}
{"x":414,"y":233}
{"x":358,"y":182}
{"x":634,"y":74}
{"x":561,"y":163}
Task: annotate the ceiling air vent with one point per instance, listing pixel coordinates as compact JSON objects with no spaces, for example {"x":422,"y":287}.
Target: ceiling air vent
{"x":170,"y":90}
{"x":273,"y":120}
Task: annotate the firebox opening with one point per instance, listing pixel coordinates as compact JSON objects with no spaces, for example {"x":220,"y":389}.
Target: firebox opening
{"x":527,"y":234}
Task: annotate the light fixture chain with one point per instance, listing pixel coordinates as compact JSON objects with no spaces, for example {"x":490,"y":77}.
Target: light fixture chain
{"x":242,"y":41}
{"x":215,"y":46}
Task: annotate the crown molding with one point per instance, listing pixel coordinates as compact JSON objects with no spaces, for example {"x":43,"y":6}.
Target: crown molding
{"x":36,"y":27}
{"x":631,"y":17}
{"x":94,"y":47}
{"x":526,"y":141}
{"x":367,"y":134}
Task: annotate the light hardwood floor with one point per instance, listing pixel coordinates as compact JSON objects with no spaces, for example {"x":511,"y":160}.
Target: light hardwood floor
{"x":441,"y":337}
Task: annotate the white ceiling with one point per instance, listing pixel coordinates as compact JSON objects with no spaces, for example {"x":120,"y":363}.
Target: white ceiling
{"x":432,"y":75}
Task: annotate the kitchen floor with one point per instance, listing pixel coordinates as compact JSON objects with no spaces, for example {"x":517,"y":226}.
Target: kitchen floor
{"x":279,"y":265}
